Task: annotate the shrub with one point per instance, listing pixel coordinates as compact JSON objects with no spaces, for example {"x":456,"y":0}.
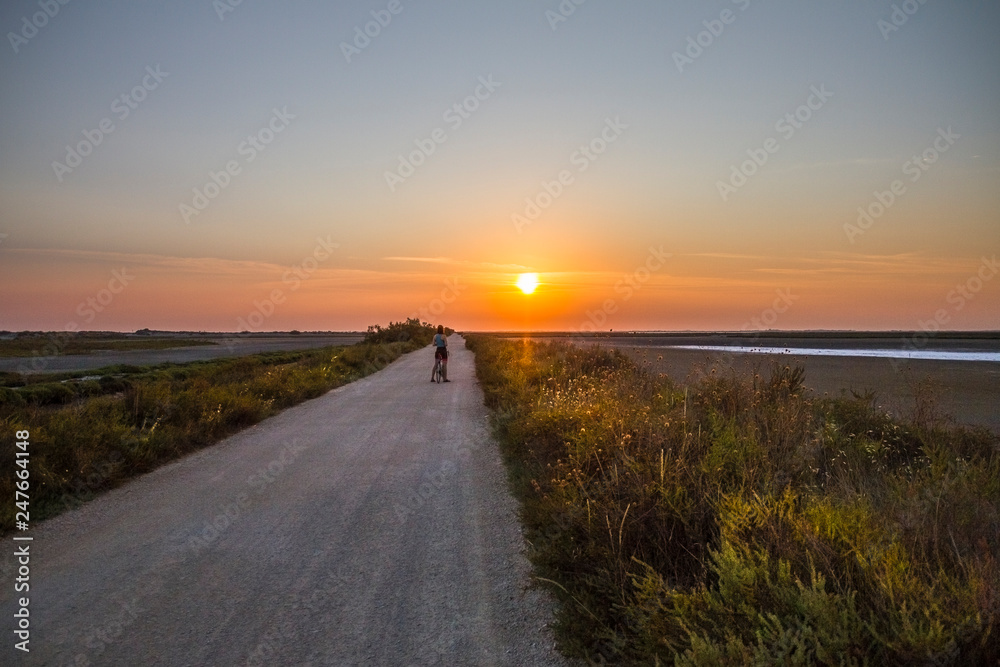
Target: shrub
{"x":410,"y":331}
{"x":10,"y":398}
{"x":740,"y":521}
{"x":49,"y":393}
{"x":157,"y":414}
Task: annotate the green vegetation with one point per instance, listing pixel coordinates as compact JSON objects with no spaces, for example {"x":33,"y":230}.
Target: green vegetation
{"x":91,"y":435}
{"x":410,"y":330}
{"x":741,"y":521}
{"x":41,"y":344}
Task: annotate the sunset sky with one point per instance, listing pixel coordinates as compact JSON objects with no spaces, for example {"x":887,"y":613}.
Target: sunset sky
{"x":660,"y":165}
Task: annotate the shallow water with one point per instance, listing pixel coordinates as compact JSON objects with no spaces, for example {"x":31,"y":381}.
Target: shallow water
{"x":937,"y":355}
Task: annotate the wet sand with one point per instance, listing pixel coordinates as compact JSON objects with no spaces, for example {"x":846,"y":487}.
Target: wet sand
{"x":968,"y":391}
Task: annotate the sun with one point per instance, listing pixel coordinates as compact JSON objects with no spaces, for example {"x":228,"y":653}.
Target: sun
{"x":527,"y":282}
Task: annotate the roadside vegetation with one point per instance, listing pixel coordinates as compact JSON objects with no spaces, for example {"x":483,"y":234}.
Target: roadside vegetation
{"x":93,"y":431}
{"x":411,"y":329}
{"x":740,"y":520}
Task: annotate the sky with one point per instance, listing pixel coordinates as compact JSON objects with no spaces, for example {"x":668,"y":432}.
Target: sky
{"x":721,"y":165}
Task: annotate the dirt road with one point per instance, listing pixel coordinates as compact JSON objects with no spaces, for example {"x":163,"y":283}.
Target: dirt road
{"x":369,"y":526}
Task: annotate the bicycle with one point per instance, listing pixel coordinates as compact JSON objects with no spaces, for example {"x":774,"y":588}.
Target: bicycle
{"x":438,"y":369}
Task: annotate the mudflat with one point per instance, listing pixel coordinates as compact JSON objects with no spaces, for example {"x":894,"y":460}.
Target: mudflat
{"x":966,"y":391}
{"x":227,"y":345}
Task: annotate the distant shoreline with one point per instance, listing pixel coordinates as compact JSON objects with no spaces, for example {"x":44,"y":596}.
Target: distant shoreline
{"x":965,"y":390}
{"x":974,"y":341}
{"x":226,"y":345}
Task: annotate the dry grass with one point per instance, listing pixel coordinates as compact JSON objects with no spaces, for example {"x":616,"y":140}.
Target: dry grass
{"x":739,"y":521}
{"x":91,"y":436}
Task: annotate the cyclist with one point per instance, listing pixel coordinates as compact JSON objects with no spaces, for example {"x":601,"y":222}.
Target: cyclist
{"x":441,"y":352}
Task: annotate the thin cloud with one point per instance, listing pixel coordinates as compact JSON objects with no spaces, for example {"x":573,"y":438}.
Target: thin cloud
{"x":837,"y":164}
{"x":839,"y":263}
{"x":213,"y":265}
{"x":726,"y":255}
{"x":431,"y":260}
{"x":484,"y":266}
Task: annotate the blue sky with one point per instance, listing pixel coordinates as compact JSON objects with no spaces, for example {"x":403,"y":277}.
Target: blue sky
{"x":346,"y":124}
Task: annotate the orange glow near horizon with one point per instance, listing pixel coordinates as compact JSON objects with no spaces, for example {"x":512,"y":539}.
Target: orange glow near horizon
{"x":690,"y":291}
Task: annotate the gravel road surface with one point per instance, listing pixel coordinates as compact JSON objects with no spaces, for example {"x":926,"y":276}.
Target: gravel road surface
{"x":369,"y":526}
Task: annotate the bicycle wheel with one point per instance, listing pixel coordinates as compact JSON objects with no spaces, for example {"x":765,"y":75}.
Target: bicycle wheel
{"x":438,"y":371}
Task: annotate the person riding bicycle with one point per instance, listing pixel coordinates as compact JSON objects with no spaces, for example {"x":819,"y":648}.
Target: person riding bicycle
{"x":441,"y":352}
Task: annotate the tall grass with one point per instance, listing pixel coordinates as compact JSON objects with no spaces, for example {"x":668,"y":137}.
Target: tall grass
{"x":92,"y":436}
{"x":741,"y":521}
